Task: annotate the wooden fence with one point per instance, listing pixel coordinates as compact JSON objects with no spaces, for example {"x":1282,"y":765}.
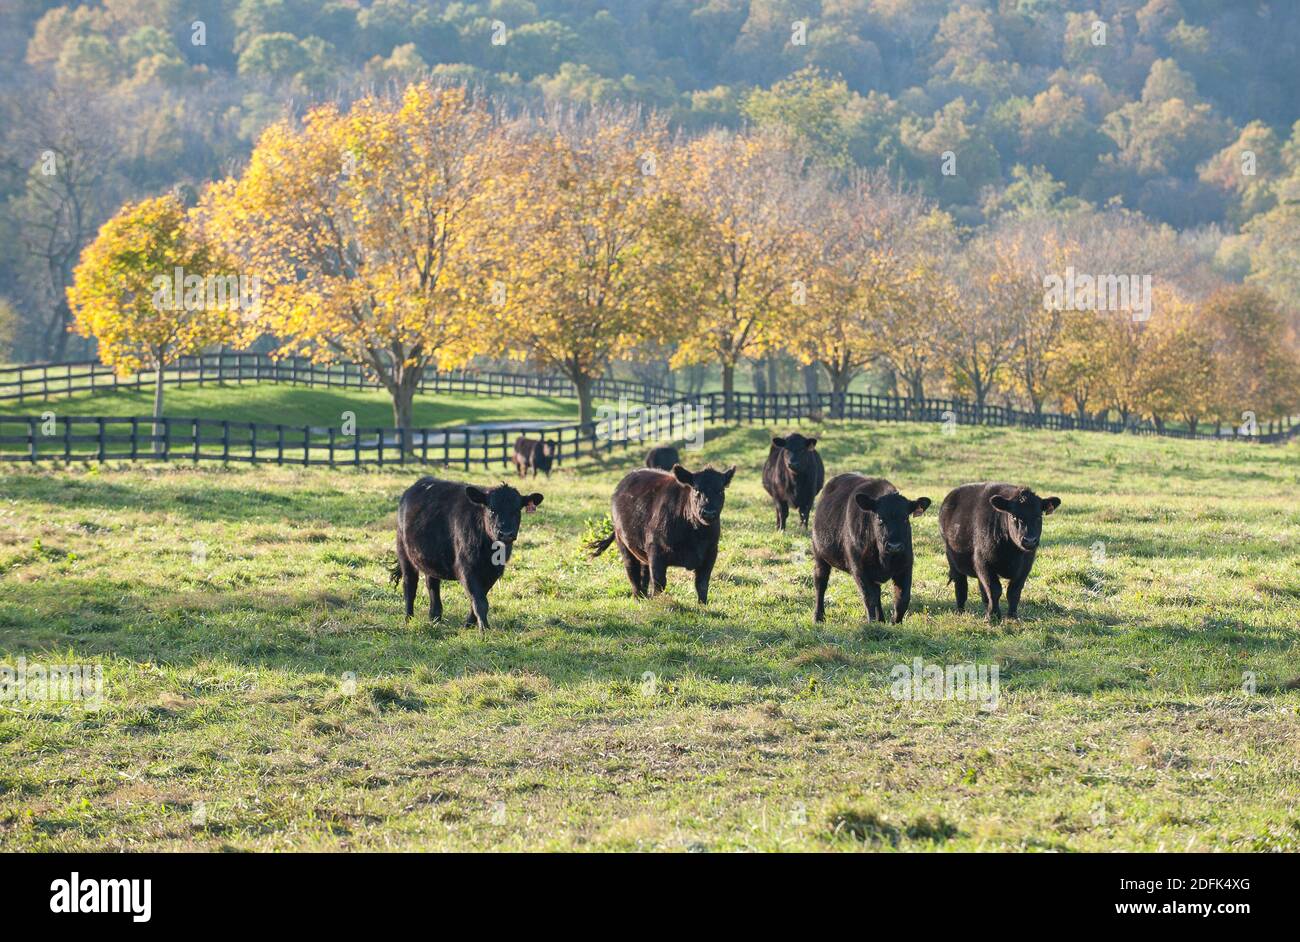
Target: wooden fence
{"x":647,"y":414}
{"x":116,"y":438}
{"x":43,"y":381}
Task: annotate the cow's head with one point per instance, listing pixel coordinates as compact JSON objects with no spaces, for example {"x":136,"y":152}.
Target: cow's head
{"x":502,"y":507}
{"x":794,"y":449}
{"x":708,"y":492}
{"x":889,"y":521}
{"x":1024,"y":512}
{"x":550,"y":448}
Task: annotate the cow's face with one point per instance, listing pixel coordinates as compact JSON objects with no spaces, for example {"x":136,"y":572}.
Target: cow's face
{"x":1024,"y":516}
{"x":550,"y":448}
{"x":795,"y":449}
{"x":889,"y":521}
{"x":708,"y":491}
{"x":502,"y":509}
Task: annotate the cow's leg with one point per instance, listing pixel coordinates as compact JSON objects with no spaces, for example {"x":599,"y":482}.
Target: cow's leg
{"x":961,"y":587}
{"x":658,"y":572}
{"x":410,"y":579}
{"x":870,"y":596}
{"x":1014,"y":587}
{"x":702,"y":575}
{"x":902,"y":596}
{"x":435,"y":598}
{"x":782,"y":511}
{"x":478,"y":603}
{"x":991,"y":590}
{"x":821,"y":576}
{"x":635,"y":571}
{"x":803,"y":515}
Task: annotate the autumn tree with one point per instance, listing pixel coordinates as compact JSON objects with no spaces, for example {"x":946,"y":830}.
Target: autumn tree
{"x":979,"y":338}
{"x":864,"y":286}
{"x":579,"y":275}
{"x":147,"y":290}
{"x":1258,"y":371}
{"x":1178,"y":371}
{"x":362,"y":227}
{"x":735,"y":248}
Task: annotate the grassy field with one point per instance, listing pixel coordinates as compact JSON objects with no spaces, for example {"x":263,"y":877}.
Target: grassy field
{"x":264,"y":692}
{"x":300,"y":405}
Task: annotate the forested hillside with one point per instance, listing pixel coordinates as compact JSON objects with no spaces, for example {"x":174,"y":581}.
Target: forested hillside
{"x":989,"y":106}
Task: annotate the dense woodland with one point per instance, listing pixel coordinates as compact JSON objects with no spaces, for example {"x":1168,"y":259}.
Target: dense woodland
{"x":989,"y":142}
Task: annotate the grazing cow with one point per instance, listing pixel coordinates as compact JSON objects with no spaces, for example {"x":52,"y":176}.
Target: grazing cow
{"x":663,"y":457}
{"x":793,"y":474}
{"x":864,"y":527}
{"x":992,"y":530}
{"x":449,"y":530}
{"x":664,"y":519}
{"x":534,"y":454}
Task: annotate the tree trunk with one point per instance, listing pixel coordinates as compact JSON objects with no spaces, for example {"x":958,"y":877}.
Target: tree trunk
{"x":760,"y":378}
{"x":583,"y":384}
{"x":810,"y":382}
{"x":916,"y":387}
{"x":772,"y":384}
{"x":157,"y":408}
{"x":840,"y":392}
{"x":728,"y":389}
{"x":403,"y":405}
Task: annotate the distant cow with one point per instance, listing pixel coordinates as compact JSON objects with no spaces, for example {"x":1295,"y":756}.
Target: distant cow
{"x":535,"y":455}
{"x":667,"y":518}
{"x":449,"y":530}
{"x":864,"y":527}
{"x":992,"y":530}
{"x":663,"y":458}
{"x":793,"y":474}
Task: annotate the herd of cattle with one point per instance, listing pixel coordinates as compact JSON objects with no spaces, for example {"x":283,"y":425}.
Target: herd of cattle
{"x":665,"y":515}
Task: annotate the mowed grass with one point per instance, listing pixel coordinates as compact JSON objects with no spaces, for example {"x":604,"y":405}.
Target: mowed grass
{"x":282,"y":404}
{"x":267,"y":693}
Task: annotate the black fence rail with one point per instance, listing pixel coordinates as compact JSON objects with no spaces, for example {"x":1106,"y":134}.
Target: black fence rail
{"x":43,"y":381}
{"x":46,"y":380}
{"x":136,"y":438}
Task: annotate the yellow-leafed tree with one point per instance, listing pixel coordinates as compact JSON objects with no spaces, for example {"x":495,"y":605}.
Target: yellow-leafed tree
{"x":361,"y":226}
{"x":742,"y":196}
{"x":151,"y":289}
{"x":577,"y":278}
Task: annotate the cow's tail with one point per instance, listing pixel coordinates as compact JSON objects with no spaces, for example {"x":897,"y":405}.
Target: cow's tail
{"x":395,"y":573}
{"x":599,"y":546}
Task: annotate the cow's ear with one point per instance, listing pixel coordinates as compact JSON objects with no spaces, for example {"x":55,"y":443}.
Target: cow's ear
{"x":531,"y":502}
{"x":1050,"y":504}
{"x":920,"y":506}
{"x":865,"y":501}
{"x":476,"y":494}
{"x":728,"y":475}
{"x":778,"y":442}
{"x":1000,"y":503}
{"x":811,"y":443}
{"x":683,"y":475}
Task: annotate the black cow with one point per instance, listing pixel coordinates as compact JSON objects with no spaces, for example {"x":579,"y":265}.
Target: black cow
{"x":449,"y":530}
{"x":992,"y":530}
{"x":793,"y":474}
{"x":533,"y":454}
{"x":663,"y":457}
{"x":864,"y":527}
{"x":664,"y":519}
